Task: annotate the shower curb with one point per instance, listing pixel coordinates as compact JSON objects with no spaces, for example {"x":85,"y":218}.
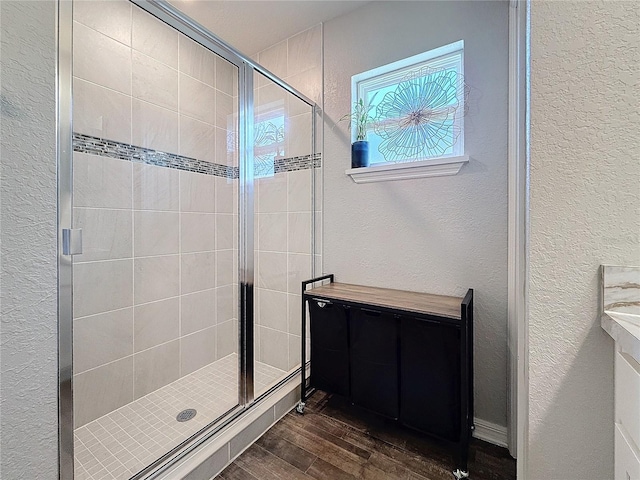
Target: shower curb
{"x":208,"y":460}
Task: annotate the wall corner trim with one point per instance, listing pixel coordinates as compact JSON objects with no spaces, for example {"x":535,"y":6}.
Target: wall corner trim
{"x":490,"y":432}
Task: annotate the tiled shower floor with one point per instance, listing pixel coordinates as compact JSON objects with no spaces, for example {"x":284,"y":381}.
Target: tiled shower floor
{"x":123,"y":442}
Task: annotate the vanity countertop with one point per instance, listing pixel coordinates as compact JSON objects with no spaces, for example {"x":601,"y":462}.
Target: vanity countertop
{"x":624,"y":328}
{"x":621,"y":307}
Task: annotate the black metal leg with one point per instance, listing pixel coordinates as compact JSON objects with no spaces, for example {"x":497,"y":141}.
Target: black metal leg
{"x":466,"y":391}
{"x":303,"y":358}
{"x":303,"y":362}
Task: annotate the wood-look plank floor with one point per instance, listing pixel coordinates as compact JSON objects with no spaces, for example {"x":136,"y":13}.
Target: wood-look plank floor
{"x":334,"y":440}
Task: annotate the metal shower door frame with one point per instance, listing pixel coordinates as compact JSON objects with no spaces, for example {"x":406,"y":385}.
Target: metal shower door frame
{"x":64,"y":80}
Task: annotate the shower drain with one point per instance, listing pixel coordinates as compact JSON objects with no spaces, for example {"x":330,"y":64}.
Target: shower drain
{"x":186,"y":415}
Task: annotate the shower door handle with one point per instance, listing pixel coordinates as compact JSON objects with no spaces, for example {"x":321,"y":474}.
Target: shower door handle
{"x":71,"y":241}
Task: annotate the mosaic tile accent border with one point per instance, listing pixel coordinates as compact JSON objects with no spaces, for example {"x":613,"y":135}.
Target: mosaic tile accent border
{"x":123,"y":151}
{"x":282,"y":165}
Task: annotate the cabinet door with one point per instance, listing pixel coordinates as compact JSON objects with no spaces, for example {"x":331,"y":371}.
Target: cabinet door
{"x":374,"y":361}
{"x":627,"y":463}
{"x":627,"y":395}
{"x":329,"y":347}
{"x":430,"y":377}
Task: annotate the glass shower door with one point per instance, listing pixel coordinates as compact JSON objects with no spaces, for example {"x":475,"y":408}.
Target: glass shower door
{"x":283,"y":170}
{"x":155,"y":304}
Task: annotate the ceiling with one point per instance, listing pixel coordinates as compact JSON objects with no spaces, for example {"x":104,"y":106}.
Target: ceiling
{"x":252,"y":26}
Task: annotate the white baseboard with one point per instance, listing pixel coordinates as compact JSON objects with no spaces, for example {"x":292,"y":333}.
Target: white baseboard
{"x":490,"y":432}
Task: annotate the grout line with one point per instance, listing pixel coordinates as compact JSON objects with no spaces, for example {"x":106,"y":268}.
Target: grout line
{"x":162,"y":255}
{"x":133,"y":270}
{"x":180,"y":246}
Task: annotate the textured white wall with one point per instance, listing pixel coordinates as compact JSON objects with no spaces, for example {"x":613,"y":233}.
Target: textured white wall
{"x":28,"y":393}
{"x":438,"y":235}
{"x":585,"y":211}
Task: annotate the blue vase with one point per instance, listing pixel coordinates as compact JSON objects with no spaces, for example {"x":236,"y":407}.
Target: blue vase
{"x":360,"y":154}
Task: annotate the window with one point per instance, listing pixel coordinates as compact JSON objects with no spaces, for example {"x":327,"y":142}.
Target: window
{"x":269,"y":141}
{"x":418,"y":105}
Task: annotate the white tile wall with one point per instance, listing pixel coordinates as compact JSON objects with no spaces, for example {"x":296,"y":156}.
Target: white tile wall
{"x":197,"y":139}
{"x":198,"y":100}
{"x":299,"y":191}
{"x":144,"y":224}
{"x":156,"y":323}
{"x":226,"y":195}
{"x":138,"y":81}
{"x":156,"y":367}
{"x":100,"y":59}
{"x":112,"y":18}
{"x":272,"y":231}
{"x":307,"y":83}
{"x":102,"y":286}
{"x":272,"y":271}
{"x":271,"y":194}
{"x":198,"y":349}
{"x":154,"y":81}
{"x":196,"y":61}
{"x":226,"y":303}
{"x":299,"y":232}
{"x":99,"y":187}
{"x":227,"y":340}
{"x":154,"y":38}
{"x":274,"y":59}
{"x":224,"y":109}
{"x":226,"y":75}
{"x":299,"y":270}
{"x":274,"y":348}
{"x":103,"y":233}
{"x":156,"y":278}
{"x":101,"y":390}
{"x":101,"y":112}
{"x":154,"y":127}
{"x":102,"y":338}
{"x":293,"y":313}
{"x":197,"y":192}
{"x":304,"y":51}
{"x":198,"y":232}
{"x":155,"y":188}
{"x":156,"y":233}
{"x":271,"y":306}
{"x":284,"y":202}
{"x":283,"y":260}
{"x":198,"y":271}
{"x":224,"y":232}
{"x":299,"y":135}
{"x":198,"y":311}
{"x":225,"y":273}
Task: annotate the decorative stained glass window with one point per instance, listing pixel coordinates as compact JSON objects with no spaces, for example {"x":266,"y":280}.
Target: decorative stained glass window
{"x":269,"y":139}
{"x":418,"y":104}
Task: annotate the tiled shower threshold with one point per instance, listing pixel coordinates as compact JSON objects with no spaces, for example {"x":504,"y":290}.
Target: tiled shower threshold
{"x":123,"y":442}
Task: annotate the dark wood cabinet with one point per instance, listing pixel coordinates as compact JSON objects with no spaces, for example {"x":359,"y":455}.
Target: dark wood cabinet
{"x":404,"y":355}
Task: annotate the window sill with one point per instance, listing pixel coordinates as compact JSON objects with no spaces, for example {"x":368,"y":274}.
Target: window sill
{"x":434,"y":167}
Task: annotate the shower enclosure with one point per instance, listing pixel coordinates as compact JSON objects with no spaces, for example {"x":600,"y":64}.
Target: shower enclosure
{"x":187,"y":224}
